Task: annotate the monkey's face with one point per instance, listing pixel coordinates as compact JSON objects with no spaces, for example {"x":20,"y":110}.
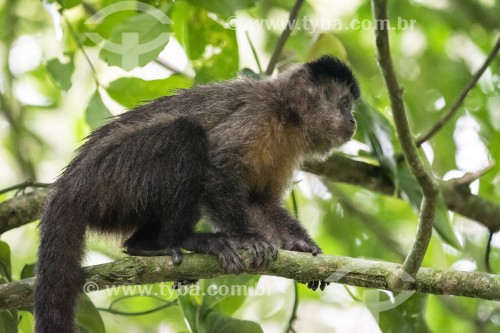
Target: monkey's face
{"x":329,"y":122}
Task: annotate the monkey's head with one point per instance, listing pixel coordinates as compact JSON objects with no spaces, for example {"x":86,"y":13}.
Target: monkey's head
{"x":320,"y":97}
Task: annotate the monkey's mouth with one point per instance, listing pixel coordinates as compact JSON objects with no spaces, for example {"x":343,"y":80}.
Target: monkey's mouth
{"x":349,"y":131}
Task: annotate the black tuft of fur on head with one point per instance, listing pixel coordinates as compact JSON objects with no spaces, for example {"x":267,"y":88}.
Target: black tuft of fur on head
{"x":329,"y":68}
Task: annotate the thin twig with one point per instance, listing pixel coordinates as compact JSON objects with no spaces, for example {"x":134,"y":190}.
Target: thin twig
{"x":254,"y":52}
{"x":289,"y":328}
{"x":23,"y":185}
{"x":169,"y":67}
{"x":471,"y":177}
{"x":80,"y":46}
{"x":487,"y":264}
{"x":293,"y":315}
{"x":294,"y":204}
{"x":292,"y":19}
{"x":425,"y":179}
{"x":140,"y":313}
{"x":458,"y":102}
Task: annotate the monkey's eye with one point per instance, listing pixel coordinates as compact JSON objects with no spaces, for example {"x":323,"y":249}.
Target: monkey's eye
{"x":345,"y":103}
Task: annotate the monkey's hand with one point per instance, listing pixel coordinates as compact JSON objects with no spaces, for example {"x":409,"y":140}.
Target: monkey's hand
{"x":261,"y":250}
{"x":302,"y":245}
{"x":307,"y":245}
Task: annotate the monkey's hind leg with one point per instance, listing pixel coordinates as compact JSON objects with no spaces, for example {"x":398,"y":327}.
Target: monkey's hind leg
{"x":169,"y":174}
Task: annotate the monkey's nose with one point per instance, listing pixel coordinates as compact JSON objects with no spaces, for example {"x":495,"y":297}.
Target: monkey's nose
{"x":352,"y":121}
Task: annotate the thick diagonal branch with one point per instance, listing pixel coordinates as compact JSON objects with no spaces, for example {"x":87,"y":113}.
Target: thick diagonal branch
{"x":425,"y":179}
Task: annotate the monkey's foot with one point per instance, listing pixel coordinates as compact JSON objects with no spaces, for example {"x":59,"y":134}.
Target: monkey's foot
{"x":307,"y":245}
{"x":261,"y":251}
{"x":179,"y":284}
{"x":176,"y":253}
{"x":313,"y":285}
{"x":218,"y":244}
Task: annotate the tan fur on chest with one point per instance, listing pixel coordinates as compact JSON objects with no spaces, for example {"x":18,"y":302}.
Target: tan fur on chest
{"x":271,"y":159}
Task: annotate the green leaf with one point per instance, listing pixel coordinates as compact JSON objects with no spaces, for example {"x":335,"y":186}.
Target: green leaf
{"x":247,"y":72}
{"x":8,"y":321}
{"x":26,"y":322}
{"x":191,"y":310}
{"x":232,"y":292}
{"x":131,"y":91}
{"x":216,"y":322}
{"x":137,"y":41}
{"x":327,"y":43}
{"x":97,"y":113}
{"x":5,"y":267}
{"x":61,"y":73}
{"x":443,"y":225}
{"x":66,"y":4}
{"x":28,"y":271}
{"x":411,"y":191}
{"x":223,"y":8}
{"x":378,"y":134}
{"x":88,"y":318}
{"x":212,"y":47}
{"x":96,"y":32}
{"x":408,"y":317}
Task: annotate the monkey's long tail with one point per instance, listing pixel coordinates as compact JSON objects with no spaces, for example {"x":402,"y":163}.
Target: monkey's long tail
{"x":59,"y":274}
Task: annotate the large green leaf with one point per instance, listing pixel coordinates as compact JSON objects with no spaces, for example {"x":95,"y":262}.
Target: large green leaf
{"x":5,"y":267}
{"x":131,"y":92}
{"x":88,"y":318}
{"x":327,"y":43}
{"x":378,"y":134}
{"x":411,"y":191}
{"x":8,"y":321}
{"x":61,"y":72}
{"x":216,"y":322}
{"x":212,"y":47}
{"x":66,"y":4}
{"x":191,"y":309}
{"x":28,"y":271}
{"x":223,"y":8}
{"x":137,"y":41}
{"x":97,"y":114}
{"x":407,"y":317}
{"x":226,"y":294}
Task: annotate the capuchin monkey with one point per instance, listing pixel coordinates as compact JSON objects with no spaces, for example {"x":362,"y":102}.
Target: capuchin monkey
{"x":226,"y":151}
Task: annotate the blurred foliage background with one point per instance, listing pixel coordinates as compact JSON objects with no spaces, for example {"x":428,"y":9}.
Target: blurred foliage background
{"x":58,"y":82}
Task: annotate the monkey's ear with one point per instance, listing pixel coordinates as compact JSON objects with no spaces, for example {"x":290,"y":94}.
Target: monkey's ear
{"x":299,"y":91}
{"x":328,"y":68}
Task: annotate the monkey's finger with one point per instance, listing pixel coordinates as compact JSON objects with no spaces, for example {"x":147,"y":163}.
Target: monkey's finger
{"x":230,"y":259}
{"x":176,"y":256}
{"x":323,"y":285}
{"x":260,"y":256}
{"x":274,"y":252}
{"x":313,"y":285}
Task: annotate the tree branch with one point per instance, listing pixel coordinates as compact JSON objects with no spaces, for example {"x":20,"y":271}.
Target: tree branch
{"x":291,"y":265}
{"x":445,"y":117}
{"x":338,"y":168}
{"x":425,"y":179}
{"x":292,"y":19}
{"x":21,"y":210}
